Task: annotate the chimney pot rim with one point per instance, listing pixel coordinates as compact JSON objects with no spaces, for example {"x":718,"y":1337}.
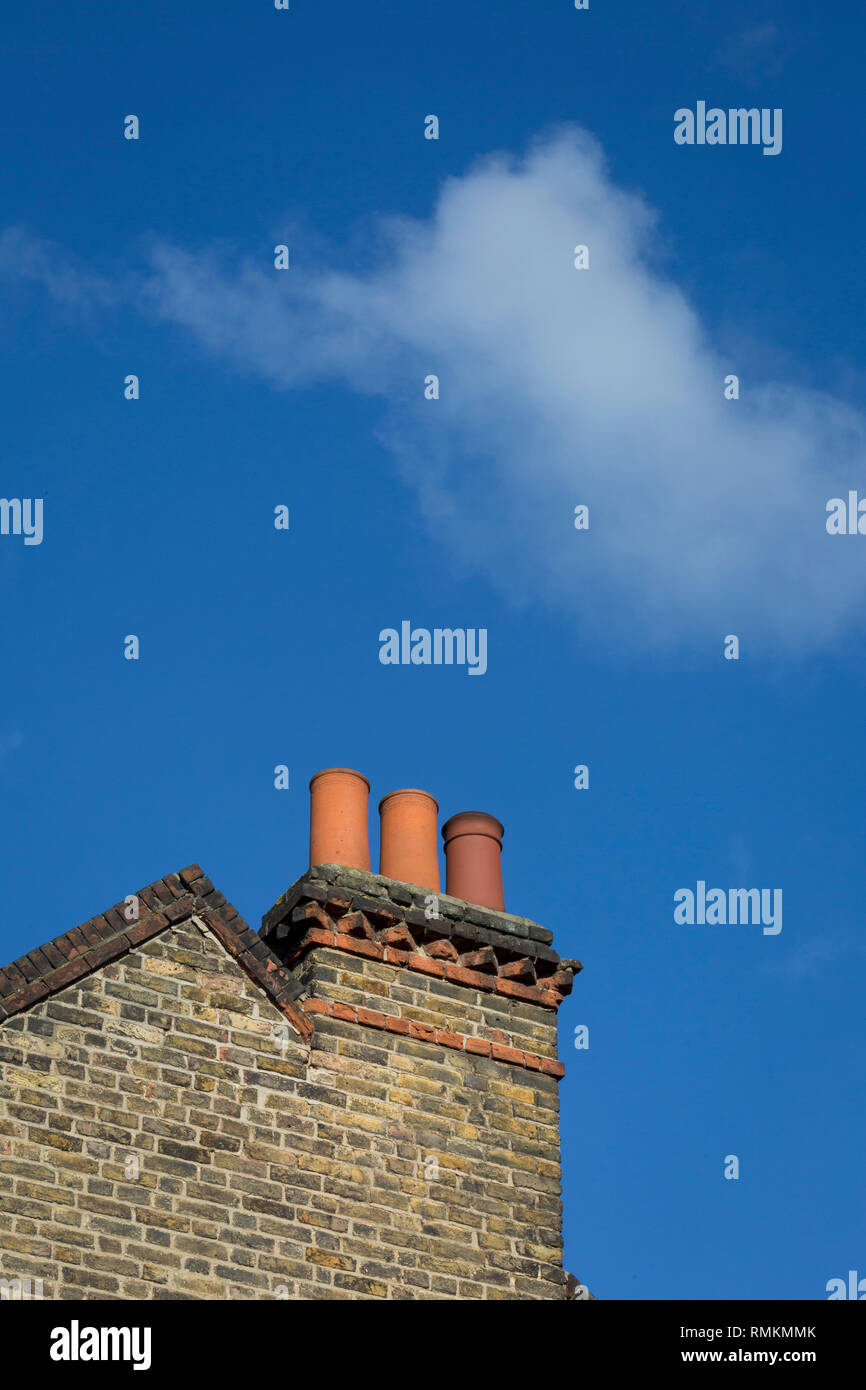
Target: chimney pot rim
{"x":484,"y":823}
{"x":347,"y":771}
{"x":409,"y":791}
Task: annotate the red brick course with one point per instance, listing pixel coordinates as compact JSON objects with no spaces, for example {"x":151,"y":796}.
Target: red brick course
{"x":425,"y":1032}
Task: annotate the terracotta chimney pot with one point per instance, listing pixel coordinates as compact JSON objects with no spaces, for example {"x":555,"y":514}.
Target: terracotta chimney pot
{"x":473,"y":858}
{"x":408,"y":847}
{"x":339,"y":833}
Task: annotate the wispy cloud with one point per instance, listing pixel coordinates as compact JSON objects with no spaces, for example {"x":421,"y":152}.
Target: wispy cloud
{"x":75,"y":289}
{"x":756,"y":51}
{"x":834,"y":946}
{"x":559,"y":387}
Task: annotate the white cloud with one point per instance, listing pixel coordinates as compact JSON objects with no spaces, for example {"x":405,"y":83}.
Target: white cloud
{"x":561,"y":386}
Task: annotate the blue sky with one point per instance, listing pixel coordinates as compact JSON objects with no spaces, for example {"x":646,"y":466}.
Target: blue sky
{"x":305,"y":388}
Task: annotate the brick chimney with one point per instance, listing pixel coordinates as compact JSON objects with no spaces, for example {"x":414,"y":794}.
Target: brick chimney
{"x":359,"y":1102}
{"x":434,"y":1055}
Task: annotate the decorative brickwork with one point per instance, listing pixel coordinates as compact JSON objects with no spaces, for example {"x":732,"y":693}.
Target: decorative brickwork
{"x":379,"y":919}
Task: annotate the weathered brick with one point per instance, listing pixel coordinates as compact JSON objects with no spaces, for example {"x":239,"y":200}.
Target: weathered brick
{"x":183,"y":1140}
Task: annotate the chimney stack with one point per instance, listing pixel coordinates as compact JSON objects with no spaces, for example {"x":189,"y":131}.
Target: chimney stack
{"x":339,"y":833}
{"x":452,"y":998}
{"x":473,"y":857}
{"x":408,"y":843}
